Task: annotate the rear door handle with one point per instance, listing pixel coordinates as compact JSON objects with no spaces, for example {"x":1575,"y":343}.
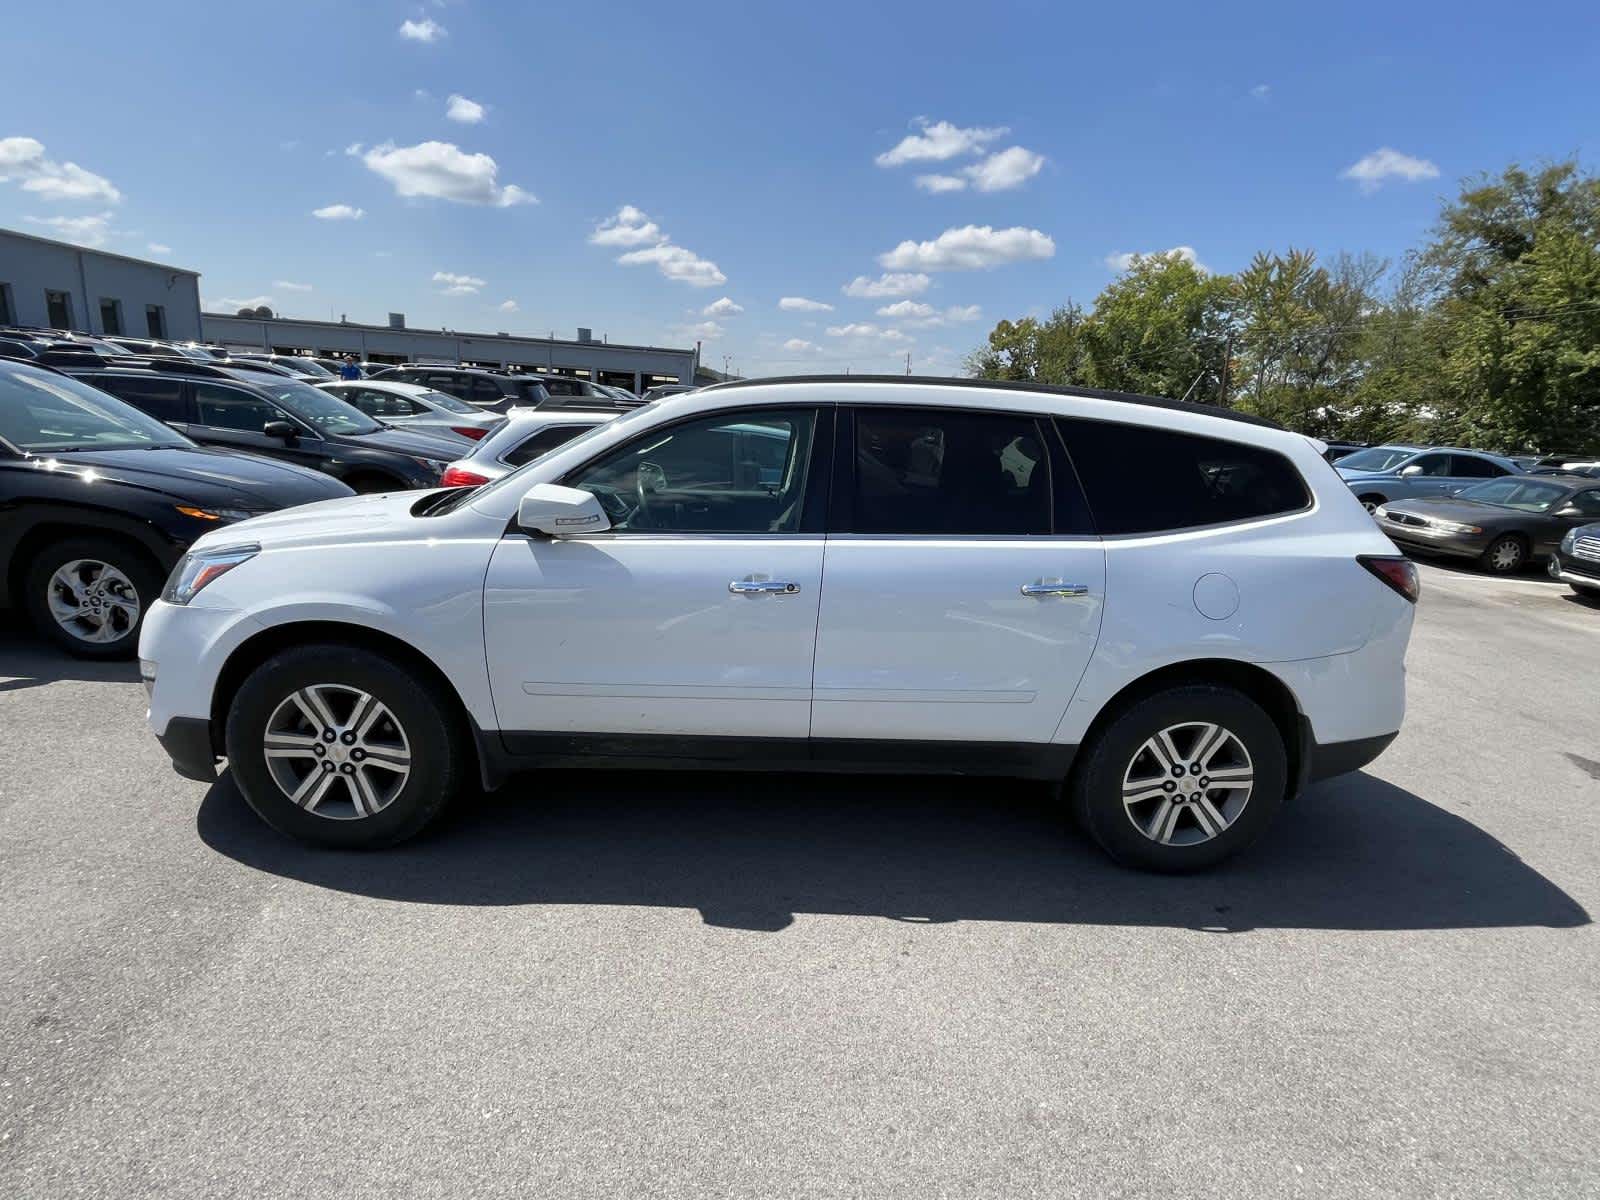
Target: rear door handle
{"x":763,"y":587}
{"x":1054,"y":587}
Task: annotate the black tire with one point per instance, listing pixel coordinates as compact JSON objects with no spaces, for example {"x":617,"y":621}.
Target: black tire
{"x":437,"y":754}
{"x":1095,"y":791}
{"x":124,"y":558}
{"x":1506,"y":555}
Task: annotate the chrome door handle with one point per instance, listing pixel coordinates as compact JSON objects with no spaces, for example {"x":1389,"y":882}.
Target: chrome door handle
{"x":763,"y":587}
{"x":1054,"y":587}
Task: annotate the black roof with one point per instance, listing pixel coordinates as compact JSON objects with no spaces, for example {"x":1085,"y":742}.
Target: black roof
{"x":1000,"y":385}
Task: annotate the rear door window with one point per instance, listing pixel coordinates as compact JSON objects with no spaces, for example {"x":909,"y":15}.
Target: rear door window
{"x":228,"y":408}
{"x":162,"y":398}
{"x":1470,"y":466}
{"x":1142,"y":479}
{"x":539,"y":443}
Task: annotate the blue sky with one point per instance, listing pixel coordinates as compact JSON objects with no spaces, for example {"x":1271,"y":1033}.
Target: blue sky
{"x":748,"y":152}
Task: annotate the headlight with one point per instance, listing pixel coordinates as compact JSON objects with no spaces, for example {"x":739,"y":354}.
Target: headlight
{"x":198,"y":569}
{"x":215,"y":514}
{"x":1457,"y":527}
{"x":1381,"y":511}
{"x":1567,"y":542}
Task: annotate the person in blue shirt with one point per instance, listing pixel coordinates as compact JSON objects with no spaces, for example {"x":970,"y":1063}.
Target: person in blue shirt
{"x":349,"y":370}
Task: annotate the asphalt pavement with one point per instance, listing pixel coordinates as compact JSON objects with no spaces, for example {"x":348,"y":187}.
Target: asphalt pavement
{"x":732,"y":985}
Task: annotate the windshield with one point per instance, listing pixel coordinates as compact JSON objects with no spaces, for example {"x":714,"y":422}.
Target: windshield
{"x":1379,"y":458}
{"x":42,"y":413}
{"x":449,"y":403}
{"x":323,"y":412}
{"x":533,"y":393}
{"x":1523,"y":494}
{"x":307,"y":366}
{"x":617,"y":423}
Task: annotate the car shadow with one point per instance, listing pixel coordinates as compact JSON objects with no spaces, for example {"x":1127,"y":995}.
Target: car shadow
{"x":749,"y":852}
{"x":28,"y":660}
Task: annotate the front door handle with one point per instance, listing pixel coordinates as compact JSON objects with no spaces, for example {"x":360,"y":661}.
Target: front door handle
{"x":763,"y":587}
{"x":1054,"y":587}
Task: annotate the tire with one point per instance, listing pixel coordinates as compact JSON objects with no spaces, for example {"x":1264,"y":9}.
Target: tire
{"x":1248,"y":747}
{"x":1371,"y":501}
{"x":1506,"y":555}
{"x":112,"y":584}
{"x":413,"y":729}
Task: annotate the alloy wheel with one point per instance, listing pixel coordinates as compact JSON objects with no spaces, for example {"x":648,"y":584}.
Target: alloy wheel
{"x":1187,"y":784}
{"x":93,"y":601}
{"x":336,"y":751}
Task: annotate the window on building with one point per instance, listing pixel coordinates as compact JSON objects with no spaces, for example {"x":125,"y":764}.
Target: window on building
{"x":155,"y":318}
{"x":110,"y":316}
{"x":1141,"y":479}
{"x":58,"y":309}
{"x":8,"y":312}
{"x":942,"y":472}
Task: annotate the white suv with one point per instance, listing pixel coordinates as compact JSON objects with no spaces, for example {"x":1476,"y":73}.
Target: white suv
{"x":1182,"y":614}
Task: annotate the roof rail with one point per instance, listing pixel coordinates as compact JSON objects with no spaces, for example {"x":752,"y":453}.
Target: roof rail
{"x":171,"y":366}
{"x":1000,"y":385}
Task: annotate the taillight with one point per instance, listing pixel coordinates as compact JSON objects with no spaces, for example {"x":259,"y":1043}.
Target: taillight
{"x":469,"y":431}
{"x":1398,"y":573}
{"x":457,"y":477}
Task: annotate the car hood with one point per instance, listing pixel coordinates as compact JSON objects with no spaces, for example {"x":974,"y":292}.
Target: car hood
{"x":1348,"y":473}
{"x":197,"y":475}
{"x":1466,"y":511}
{"x":379,"y":517}
{"x":415,"y":442}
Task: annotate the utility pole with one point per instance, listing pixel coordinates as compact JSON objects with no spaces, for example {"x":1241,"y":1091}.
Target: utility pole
{"x":908,"y":362}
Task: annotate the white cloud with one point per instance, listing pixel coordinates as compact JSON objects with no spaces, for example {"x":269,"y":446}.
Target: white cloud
{"x":1125,"y":259}
{"x":970,"y":248}
{"x":801,"y":304}
{"x":222,"y":304}
{"x":426,"y":30}
{"x":158,"y":248}
{"x":800,"y":346}
{"x":458,"y":285}
{"x":941,"y":183}
{"x":705,"y":331}
{"x":676,"y":262}
{"x":906,"y":310}
{"x":894,"y":284}
{"x":286,"y":286}
{"x":422,"y":94}
{"x":1261,"y":91}
{"x":722,"y":308}
{"x":858,"y":329}
{"x":937,"y":142}
{"x":85,"y":231}
{"x":628,"y":226}
{"x":1008,"y":169}
{"x":339,"y":212}
{"x":443,"y":171}
{"x":508,"y":306}
{"x":963,"y":312}
{"x":23,"y":159}
{"x":353,"y":150}
{"x":895,"y":335}
{"x":468,"y":112}
{"x":1386,"y":163}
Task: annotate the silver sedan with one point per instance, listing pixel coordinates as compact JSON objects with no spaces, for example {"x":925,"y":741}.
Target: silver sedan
{"x":412,"y":406}
{"x":526,"y":434}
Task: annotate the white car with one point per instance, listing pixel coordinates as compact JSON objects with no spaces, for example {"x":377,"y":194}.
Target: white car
{"x":523,"y":435}
{"x":412,"y":406}
{"x":941,"y":577}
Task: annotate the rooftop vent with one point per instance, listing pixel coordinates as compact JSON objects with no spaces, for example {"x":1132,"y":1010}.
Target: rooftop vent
{"x":397,"y":320}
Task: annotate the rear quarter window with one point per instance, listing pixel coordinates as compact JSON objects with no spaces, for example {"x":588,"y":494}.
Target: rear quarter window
{"x":1141,"y":479}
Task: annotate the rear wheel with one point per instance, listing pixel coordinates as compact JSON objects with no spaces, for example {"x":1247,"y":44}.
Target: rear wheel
{"x":1507,"y":553}
{"x":1371,"y":501}
{"x":89,"y":595}
{"x":342,"y":747}
{"x":1182,"y":779}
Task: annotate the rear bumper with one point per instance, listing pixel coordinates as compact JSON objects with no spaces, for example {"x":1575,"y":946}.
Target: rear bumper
{"x":1325,"y":760}
{"x":187,"y":741}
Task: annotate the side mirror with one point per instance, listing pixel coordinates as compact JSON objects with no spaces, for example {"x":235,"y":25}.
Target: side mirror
{"x":557,"y":511}
{"x":1570,"y":510}
{"x":279,"y":429}
{"x":1408,"y":472}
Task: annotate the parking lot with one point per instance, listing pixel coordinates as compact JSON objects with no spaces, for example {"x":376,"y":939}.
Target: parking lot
{"x":637,"y":984}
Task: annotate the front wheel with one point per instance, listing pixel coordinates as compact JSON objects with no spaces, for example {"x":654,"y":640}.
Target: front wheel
{"x":1182,"y":779}
{"x":1505,"y":554}
{"x":342,"y":747}
{"x":89,"y":595}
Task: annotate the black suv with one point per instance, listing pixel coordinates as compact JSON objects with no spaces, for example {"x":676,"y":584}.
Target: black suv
{"x":98,"y":501}
{"x":489,"y":390}
{"x":267,"y":413}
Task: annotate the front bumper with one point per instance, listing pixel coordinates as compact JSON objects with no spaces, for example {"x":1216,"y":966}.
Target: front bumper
{"x":1436,"y":541}
{"x":187,"y":741}
{"x":1578,"y":572}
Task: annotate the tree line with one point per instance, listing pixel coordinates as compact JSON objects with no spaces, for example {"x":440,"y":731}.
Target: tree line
{"x":1487,"y":335}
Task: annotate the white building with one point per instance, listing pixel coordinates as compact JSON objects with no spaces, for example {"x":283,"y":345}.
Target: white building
{"x":56,"y":285}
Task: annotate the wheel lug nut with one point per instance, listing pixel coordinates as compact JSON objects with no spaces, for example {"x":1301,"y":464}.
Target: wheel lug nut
{"x":1177,"y":770}
{"x":347,"y":769}
{"x":327,"y":764}
{"x":1169,"y":786}
{"x":347,"y":737}
{"x":318,"y":751}
{"x":327,"y":735}
{"x":358,"y":754}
